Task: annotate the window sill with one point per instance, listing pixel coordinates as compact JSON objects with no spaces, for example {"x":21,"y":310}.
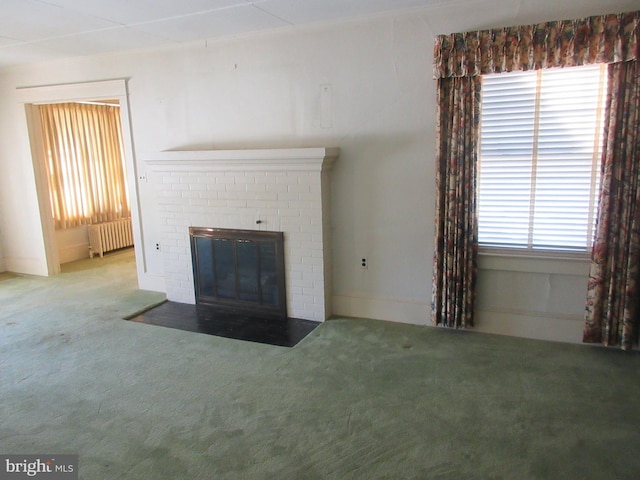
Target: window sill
{"x":548,"y":262}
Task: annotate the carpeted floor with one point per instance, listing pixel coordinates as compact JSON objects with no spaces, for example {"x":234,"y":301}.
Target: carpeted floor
{"x":356,"y":399}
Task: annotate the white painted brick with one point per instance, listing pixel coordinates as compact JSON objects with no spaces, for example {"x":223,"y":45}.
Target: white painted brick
{"x":262,"y":196}
{"x":311,"y":246}
{"x":308,"y":284}
{"x":277,"y":187}
{"x":185,"y":259}
{"x":287,"y":179}
{"x":266,"y":214}
{"x":287,"y":212}
{"x":256,"y":204}
{"x":310,"y":197}
{"x":216,"y":203}
{"x":244,"y":179}
{"x":301,"y":237}
{"x":190,"y":194}
{"x":169,"y":242}
{"x":317,"y":276}
{"x":236,"y":187}
{"x":301,"y":267}
{"x":307,"y":213}
{"x":294,"y":290}
{"x":226,"y":180}
{"x":293,"y":276}
{"x":173,"y":208}
{"x":207,"y":179}
{"x":304,"y":299}
{"x":314,"y":181}
{"x":256,"y":187}
{"x":296,"y":253}
{"x":266,"y":178}
{"x":302,"y":204}
{"x":298,"y":188}
{"x":171,"y":194}
{"x":177,"y":222}
{"x":179,"y":236}
{"x":314,"y":260}
{"x":229,"y":195}
{"x":284,"y":201}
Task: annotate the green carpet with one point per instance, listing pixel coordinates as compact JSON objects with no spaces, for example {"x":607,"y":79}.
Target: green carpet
{"x":357,"y":399}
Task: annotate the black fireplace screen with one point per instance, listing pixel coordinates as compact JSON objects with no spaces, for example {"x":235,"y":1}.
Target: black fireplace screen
{"x":239,"y":269}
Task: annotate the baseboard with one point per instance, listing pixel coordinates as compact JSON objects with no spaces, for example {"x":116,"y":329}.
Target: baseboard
{"x":514,"y":323}
{"x":535,"y":325}
{"x":71,"y":253}
{"x":381,"y":308}
{"x":26,"y":266}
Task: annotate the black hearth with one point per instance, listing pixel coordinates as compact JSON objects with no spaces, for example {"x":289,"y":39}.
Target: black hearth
{"x":222,"y":323}
{"x":239,"y":270}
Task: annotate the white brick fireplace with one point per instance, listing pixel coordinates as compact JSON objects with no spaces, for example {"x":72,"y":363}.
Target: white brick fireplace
{"x":285,"y":190}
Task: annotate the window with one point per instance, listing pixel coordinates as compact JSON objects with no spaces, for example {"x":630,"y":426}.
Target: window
{"x":85,"y":164}
{"x":540,"y":146}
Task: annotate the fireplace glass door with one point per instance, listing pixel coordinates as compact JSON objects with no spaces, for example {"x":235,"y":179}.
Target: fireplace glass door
{"x":239,"y":269}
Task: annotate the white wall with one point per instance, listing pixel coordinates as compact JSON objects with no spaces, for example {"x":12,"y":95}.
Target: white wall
{"x":2,"y":264}
{"x":264,"y":91}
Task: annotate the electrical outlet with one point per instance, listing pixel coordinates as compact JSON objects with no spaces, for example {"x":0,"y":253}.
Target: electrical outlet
{"x":364,"y":264}
{"x":158,"y":246}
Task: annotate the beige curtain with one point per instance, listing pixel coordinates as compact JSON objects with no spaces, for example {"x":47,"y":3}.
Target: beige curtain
{"x":83,"y":148}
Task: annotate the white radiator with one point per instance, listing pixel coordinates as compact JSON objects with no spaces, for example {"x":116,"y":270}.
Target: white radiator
{"x":107,"y":236}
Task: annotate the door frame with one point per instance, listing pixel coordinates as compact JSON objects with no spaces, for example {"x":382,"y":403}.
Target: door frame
{"x":31,"y":97}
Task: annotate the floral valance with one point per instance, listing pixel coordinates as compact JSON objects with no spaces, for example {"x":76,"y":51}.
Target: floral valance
{"x":601,"y":39}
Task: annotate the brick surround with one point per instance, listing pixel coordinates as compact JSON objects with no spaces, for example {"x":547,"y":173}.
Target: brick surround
{"x":287,"y":190}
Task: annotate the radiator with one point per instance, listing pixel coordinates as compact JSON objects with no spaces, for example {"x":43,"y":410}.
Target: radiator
{"x":107,"y":236}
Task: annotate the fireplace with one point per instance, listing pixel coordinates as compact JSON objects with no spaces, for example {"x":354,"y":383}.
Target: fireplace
{"x":278,"y":190}
{"x":239,"y":270}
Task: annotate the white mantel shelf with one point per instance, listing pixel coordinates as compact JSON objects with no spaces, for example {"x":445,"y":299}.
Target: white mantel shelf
{"x":273,"y":159}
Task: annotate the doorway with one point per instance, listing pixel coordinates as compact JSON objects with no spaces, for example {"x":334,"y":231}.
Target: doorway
{"x":113,"y":91}
{"x":86,"y":177}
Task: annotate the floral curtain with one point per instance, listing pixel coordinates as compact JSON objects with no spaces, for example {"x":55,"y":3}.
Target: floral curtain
{"x":612,"y":293}
{"x":602,"y":39}
{"x":456,"y":237}
{"x":459,"y":61}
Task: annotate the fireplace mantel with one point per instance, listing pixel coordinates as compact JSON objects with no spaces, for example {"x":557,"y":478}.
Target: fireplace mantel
{"x":282,"y":189}
{"x":273,"y":159}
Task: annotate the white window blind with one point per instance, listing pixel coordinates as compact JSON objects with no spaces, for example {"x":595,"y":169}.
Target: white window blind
{"x":540,"y":148}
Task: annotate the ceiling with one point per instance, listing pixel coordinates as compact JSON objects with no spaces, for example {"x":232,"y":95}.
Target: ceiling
{"x":41,"y":30}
